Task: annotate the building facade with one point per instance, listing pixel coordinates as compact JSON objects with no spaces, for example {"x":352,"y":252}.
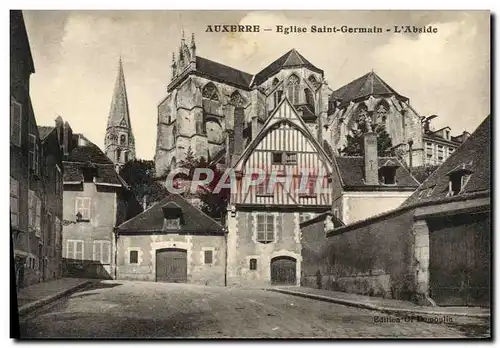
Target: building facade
{"x":34,"y":201}
{"x":440,"y":144}
{"x":172,"y":241}
{"x":264,"y":239}
{"x":119,"y":142}
{"x":96,"y":200}
{"x":434,"y":249}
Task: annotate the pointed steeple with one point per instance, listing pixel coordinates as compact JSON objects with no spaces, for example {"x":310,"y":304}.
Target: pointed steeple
{"x":119,"y":142}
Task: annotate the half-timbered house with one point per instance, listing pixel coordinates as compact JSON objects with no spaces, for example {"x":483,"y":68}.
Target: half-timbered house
{"x":282,"y":174}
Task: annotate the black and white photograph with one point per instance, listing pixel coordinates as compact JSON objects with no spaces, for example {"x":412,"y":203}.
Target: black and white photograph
{"x":257,"y":174}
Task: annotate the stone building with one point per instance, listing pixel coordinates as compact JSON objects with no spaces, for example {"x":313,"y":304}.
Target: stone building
{"x":96,"y":200}
{"x":434,"y":249}
{"x":439,"y":144}
{"x":206,"y":100}
{"x":119,"y":142}
{"x":34,"y":196}
{"x":172,"y":241}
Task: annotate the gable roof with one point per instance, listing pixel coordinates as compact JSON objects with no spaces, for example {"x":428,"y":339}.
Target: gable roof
{"x":223,"y":72}
{"x":90,"y":156}
{"x":283,"y":108}
{"x":152,"y":219}
{"x":351,"y":171}
{"x":291,"y":59}
{"x":473,"y":154}
{"x":362,"y":87}
{"x":44,"y":131}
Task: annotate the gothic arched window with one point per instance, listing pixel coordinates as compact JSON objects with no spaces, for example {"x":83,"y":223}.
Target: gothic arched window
{"x":210,"y":92}
{"x":309,"y":99}
{"x":312,"y":80}
{"x":236,"y":99}
{"x":381,"y":112}
{"x":293,"y":85}
{"x":123,"y":139}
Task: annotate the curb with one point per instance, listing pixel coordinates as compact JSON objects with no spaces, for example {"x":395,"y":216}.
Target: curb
{"x":27,"y":308}
{"x":388,"y":310}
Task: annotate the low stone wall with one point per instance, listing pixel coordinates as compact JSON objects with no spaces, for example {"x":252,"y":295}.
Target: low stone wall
{"x":374,"y":259}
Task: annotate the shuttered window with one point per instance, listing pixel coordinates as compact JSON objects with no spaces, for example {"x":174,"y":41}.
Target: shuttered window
{"x":16,"y":116}
{"x":265,"y":228}
{"x":208,"y":256}
{"x":14,"y":202}
{"x":82,"y":206}
{"x":134,"y":256}
{"x":33,"y":153}
{"x":74,"y":249}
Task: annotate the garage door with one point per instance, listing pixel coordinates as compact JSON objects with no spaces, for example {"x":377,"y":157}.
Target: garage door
{"x":171,"y":265}
{"x":283,"y":271}
{"x":459,"y":263}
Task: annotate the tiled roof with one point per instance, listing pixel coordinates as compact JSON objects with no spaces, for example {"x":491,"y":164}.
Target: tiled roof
{"x":473,"y":154}
{"x":352,"y":172}
{"x":421,"y":173}
{"x":366,"y":85}
{"x":43,"y":131}
{"x":223,"y":72}
{"x":291,"y":59}
{"x":194,"y":221}
{"x":90,"y":155}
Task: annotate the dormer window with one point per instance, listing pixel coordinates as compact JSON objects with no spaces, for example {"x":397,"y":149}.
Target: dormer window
{"x":459,"y":177}
{"x":172,"y":217}
{"x":387,"y":173}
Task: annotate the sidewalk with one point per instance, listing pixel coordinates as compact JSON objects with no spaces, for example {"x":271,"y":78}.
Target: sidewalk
{"x":382,"y":304}
{"x":40,"y":294}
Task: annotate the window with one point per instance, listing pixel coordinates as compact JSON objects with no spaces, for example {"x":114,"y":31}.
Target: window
{"x":123,"y":139}
{"x":458,"y":181}
{"x":284,"y":158}
{"x":381,"y":114}
{"x":293,"y":89}
{"x":16,"y":116}
{"x":34,"y":212}
{"x":388,"y":175}
{"x":309,"y":99}
{"x":102,"y":251}
{"x":450,"y":150}
{"x":253,"y":264}
{"x":277,"y":157}
{"x":14,"y":202}
{"x":210,"y":92}
{"x":33,"y":153}
{"x":265,"y":228}
{"x":125,"y":156}
{"x":74,"y":249}
{"x":275,"y":82}
{"x":172,"y":223}
{"x":118,"y":155}
{"x":314,"y":83}
{"x":82,"y":208}
{"x":208,"y":257}
{"x":133,"y":256}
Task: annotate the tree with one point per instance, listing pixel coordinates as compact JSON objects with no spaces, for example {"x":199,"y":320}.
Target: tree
{"x":140,"y":176}
{"x":355,"y":143}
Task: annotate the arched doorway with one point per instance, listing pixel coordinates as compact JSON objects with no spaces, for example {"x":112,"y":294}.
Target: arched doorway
{"x":171,"y":265}
{"x":283,"y":270}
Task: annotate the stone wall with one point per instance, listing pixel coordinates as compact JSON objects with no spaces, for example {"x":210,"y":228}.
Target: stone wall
{"x":197,"y":271}
{"x":375,"y":259}
{"x":243,"y":246}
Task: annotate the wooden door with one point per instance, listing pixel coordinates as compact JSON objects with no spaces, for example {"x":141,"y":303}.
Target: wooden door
{"x":283,"y":271}
{"x":459,"y":260}
{"x":171,"y":265}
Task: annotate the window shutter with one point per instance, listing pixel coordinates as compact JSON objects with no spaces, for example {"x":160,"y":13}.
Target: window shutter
{"x":38,"y":224}
{"x":270,"y":228}
{"x":261,"y":228}
{"x":71,"y":250}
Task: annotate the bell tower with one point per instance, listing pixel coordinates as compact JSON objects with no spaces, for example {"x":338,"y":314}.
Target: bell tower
{"x":119,"y":143}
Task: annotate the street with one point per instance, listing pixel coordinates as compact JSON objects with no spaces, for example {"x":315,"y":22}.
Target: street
{"x":123,"y":309}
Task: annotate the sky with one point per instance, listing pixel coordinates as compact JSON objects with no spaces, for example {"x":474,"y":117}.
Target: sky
{"x":76,"y":60}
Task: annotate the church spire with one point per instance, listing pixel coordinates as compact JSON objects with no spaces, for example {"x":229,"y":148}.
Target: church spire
{"x":119,"y":142}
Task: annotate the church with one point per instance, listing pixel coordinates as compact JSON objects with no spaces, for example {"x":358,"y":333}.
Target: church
{"x":284,"y":121}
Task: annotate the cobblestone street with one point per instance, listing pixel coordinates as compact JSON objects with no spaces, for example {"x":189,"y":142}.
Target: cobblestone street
{"x":159,"y":310}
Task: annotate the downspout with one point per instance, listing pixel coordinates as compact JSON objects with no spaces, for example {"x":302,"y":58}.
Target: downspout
{"x":226,"y":255}
{"x":410,"y":151}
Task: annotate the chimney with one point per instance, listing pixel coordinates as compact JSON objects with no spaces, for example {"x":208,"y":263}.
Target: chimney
{"x":370,"y":158}
{"x":67,"y":138}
